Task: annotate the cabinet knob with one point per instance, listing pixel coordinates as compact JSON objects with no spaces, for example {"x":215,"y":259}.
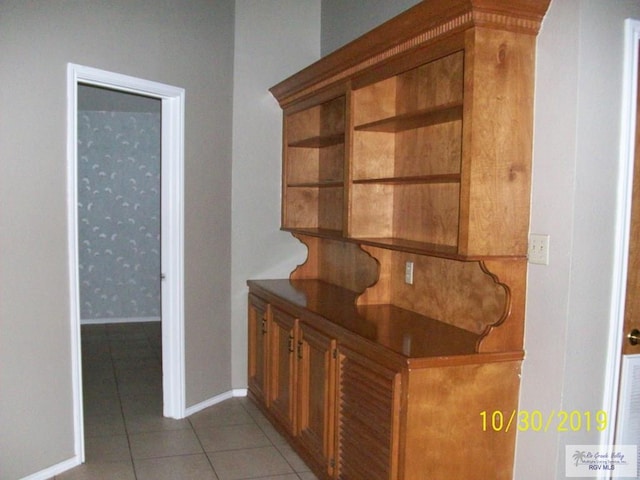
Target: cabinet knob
{"x":264,"y":326}
{"x":634,"y":336}
{"x":291,"y":343}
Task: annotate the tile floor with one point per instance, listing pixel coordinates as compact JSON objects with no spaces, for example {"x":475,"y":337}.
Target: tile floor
{"x":127,"y":438}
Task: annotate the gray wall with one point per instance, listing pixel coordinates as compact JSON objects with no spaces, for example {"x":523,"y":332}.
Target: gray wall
{"x":343,"y":21}
{"x":188,"y":44}
{"x":262,"y":59}
{"x":574,"y":199}
{"x":269,"y":47}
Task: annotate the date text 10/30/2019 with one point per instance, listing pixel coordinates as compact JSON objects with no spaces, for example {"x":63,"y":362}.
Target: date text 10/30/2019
{"x":535,"y":420}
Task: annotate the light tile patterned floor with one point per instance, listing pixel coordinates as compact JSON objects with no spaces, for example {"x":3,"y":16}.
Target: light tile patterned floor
{"x":127,"y":438}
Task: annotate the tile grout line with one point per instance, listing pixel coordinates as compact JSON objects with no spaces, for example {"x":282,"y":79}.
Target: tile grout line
{"x":124,"y":420}
{"x":193,"y":428}
{"x":158,"y":355}
{"x":239,"y":448}
{"x":296,"y":473}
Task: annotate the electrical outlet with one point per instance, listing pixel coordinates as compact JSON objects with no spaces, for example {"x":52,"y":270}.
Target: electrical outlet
{"x":538,"y":249}
{"x":408,"y":273}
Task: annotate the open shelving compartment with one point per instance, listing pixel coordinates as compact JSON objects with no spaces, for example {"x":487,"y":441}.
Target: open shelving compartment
{"x":412,"y":164}
{"x":313,"y":173}
{"x":406,"y":158}
{"x":373,"y":178}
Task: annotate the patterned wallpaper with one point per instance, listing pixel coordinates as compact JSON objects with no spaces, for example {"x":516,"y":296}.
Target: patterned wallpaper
{"x":119,"y":214}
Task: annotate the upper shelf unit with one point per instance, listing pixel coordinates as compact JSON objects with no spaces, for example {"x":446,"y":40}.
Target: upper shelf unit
{"x":406,"y":157}
{"x":417,"y":136}
{"x":314,"y":159}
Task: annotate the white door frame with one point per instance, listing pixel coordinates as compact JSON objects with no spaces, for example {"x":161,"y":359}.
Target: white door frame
{"x":623,"y":225}
{"x":172,"y":233}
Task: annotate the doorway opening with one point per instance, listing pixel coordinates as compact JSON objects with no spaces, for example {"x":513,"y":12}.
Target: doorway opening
{"x":118,"y":206}
{"x":170,"y":270}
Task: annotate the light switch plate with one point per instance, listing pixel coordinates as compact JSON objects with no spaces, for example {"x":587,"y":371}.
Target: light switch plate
{"x":538,"y":249}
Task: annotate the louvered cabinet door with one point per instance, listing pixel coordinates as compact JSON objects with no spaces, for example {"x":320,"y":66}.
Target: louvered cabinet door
{"x":283,"y":367}
{"x":316,"y":393}
{"x":368,"y":409}
{"x":258,"y":328}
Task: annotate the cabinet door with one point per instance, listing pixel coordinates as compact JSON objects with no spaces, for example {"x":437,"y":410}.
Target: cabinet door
{"x":283,"y":367}
{"x":368,"y":417}
{"x":258,"y":327}
{"x":316,"y":394}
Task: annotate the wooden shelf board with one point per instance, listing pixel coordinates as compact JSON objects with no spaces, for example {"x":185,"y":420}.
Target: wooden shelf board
{"x":322,"y":184}
{"x":429,"y":249}
{"x":418,"y":179}
{"x":411,"y":246}
{"x":316,"y":232}
{"x":319,"y":141}
{"x":420,"y":118}
{"x":400,"y":244}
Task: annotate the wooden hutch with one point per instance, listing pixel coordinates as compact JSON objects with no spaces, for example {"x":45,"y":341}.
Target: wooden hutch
{"x":406,"y":173}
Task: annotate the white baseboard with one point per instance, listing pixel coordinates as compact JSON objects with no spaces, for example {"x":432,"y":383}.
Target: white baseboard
{"x":57,"y":469}
{"x":236,"y":392}
{"x":99,"y":321}
{"x":239,"y":392}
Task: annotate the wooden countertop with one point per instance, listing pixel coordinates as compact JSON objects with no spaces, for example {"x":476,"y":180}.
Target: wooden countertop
{"x":404,"y":332}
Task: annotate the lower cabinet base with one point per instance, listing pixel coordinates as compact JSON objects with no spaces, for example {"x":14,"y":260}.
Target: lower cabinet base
{"x":353,"y":410}
{"x":452,"y":423}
